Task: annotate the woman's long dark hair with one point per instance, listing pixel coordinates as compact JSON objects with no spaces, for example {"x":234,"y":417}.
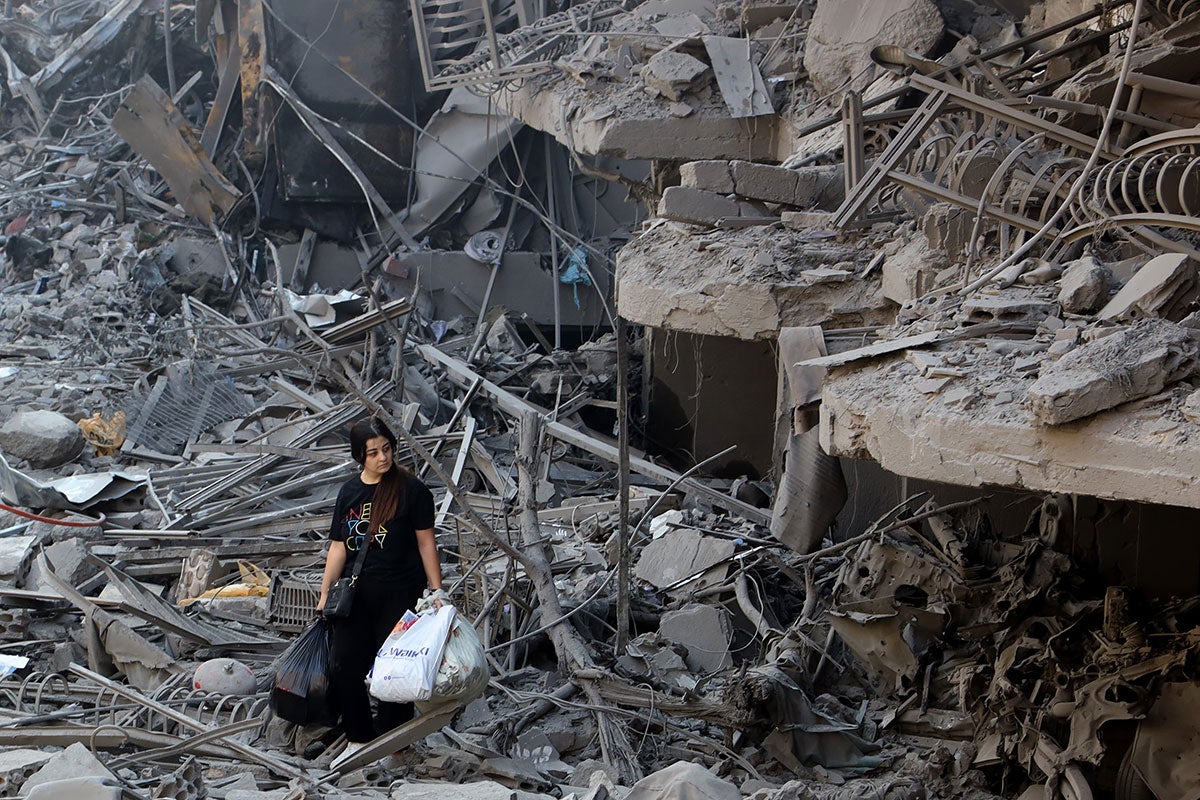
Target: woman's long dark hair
{"x":389,"y":494}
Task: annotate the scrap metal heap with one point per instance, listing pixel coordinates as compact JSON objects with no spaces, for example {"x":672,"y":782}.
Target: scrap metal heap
{"x":996,"y":230}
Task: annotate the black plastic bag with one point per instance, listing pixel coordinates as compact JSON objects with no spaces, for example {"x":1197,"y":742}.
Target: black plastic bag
{"x":301,"y":692}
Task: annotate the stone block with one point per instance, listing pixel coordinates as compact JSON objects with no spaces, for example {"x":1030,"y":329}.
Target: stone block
{"x":696,"y":206}
{"x":1084,"y":286}
{"x":1136,"y":362}
{"x":43,"y":438}
{"x":674,"y":75}
{"x":764,"y":182}
{"x":704,"y":631}
{"x":711,"y":176}
{"x":821,"y":187}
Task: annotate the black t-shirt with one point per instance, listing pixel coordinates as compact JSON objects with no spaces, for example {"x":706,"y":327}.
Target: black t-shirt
{"x":393,"y":554}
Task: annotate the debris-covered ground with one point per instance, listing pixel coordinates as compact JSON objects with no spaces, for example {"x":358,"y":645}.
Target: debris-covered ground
{"x":232,"y":229}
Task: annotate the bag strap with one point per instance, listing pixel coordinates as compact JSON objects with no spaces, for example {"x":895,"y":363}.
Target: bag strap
{"x":361,"y":558}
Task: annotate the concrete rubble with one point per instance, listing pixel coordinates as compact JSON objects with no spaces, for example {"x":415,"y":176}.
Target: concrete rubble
{"x":808,"y":391}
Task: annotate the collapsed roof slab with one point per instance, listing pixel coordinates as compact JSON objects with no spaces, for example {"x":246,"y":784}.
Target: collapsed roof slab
{"x":620,"y":121}
{"x":974,"y":430}
{"x":745,"y":283}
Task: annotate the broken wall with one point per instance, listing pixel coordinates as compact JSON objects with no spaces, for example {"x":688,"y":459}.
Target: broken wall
{"x":708,"y":392}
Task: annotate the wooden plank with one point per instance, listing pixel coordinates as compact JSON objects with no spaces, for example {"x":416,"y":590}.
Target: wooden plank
{"x":154,"y":128}
{"x":231,"y":74}
{"x":738,"y":77}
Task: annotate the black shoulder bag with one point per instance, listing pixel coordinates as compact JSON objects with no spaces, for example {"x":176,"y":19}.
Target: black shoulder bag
{"x":341,"y":594}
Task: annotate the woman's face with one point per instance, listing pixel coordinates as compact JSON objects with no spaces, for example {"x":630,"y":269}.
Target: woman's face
{"x":377,"y":457}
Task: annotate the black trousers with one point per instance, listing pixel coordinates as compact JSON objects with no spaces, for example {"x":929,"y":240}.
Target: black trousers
{"x":378,"y":605}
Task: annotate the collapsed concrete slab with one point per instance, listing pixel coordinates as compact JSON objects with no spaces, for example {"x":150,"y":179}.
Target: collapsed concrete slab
{"x":747,"y":284}
{"x":976,"y":431}
{"x":618,"y":119}
{"x":1133,"y":363}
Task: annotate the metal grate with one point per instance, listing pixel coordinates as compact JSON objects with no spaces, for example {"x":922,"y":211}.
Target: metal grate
{"x":182,"y":405}
{"x":293,"y":598}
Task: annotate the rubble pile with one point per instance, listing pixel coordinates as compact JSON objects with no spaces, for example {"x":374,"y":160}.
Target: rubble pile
{"x":970,"y":237}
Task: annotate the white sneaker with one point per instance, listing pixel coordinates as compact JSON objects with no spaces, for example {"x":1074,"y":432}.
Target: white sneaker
{"x":351,"y":749}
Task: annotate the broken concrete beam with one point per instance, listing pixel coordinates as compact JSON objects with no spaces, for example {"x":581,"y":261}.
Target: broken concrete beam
{"x":764,"y":182}
{"x":843,"y":32}
{"x":674,"y":75}
{"x":1163,"y":287}
{"x":1084,"y":286}
{"x":699,"y":207}
{"x":704,"y":631}
{"x":806,"y":220}
{"x":1137,"y":362}
{"x":712,"y":176}
{"x":45,"y":439}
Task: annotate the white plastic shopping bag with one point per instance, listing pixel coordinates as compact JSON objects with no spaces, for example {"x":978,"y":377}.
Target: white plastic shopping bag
{"x":463,"y":673}
{"x":407,"y":663}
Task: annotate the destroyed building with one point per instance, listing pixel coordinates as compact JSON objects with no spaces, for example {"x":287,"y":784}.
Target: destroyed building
{"x":808,"y":389}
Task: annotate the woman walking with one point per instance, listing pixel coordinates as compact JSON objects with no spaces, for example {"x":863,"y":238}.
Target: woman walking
{"x":388,"y":511}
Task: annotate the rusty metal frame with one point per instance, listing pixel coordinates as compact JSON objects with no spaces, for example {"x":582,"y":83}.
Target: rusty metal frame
{"x":496,"y":57}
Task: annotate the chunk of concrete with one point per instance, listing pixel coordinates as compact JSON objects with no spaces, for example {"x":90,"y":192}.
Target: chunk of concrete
{"x":683,"y":779}
{"x":1163,"y":287}
{"x":842,"y":33}
{"x":16,"y":552}
{"x":70,"y":560}
{"x":16,"y":766}
{"x":711,"y":176}
{"x":476,"y":790}
{"x":764,"y":182}
{"x":681,"y":554}
{"x":1084,"y":285}
{"x":704,"y":631}
{"x":696,"y":206}
{"x":674,"y":75}
{"x":948,"y":228}
{"x":74,"y":762}
{"x":43,"y":438}
{"x":909,"y":273}
{"x":78,"y":789}
{"x":1007,"y":307}
{"x":1137,"y":362}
